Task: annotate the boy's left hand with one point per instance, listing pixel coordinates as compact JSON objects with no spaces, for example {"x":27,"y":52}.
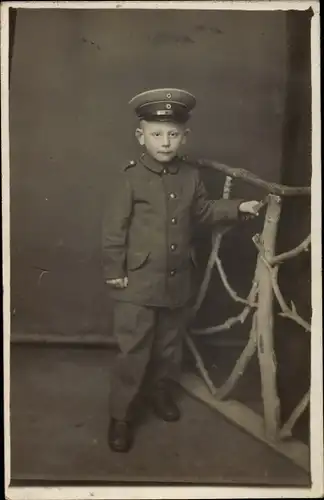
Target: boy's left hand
{"x":250,"y":209}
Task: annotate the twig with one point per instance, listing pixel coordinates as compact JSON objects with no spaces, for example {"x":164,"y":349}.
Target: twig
{"x":204,"y":285}
{"x":208,"y":274}
{"x":227,"y":325}
{"x":200,"y":365}
{"x":211,"y":260}
{"x":295,"y":317}
{"x":224,"y":279}
{"x":227,"y":187}
{"x":240,"y":318}
{"x":274,"y":279}
{"x":249,"y":177}
{"x":273,"y":271}
{"x":302,"y":247}
{"x":300,"y":408}
{"x":240,"y":364}
{"x":215,"y":259}
{"x":258,"y":245}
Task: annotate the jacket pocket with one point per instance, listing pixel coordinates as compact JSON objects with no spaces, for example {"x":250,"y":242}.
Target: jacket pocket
{"x":136,"y":260}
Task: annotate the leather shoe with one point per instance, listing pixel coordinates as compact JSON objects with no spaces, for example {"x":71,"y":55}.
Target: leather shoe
{"x":164,"y":405}
{"x":120,"y":436}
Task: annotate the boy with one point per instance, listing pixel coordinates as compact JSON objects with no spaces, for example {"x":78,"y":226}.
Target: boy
{"x":147,"y":258}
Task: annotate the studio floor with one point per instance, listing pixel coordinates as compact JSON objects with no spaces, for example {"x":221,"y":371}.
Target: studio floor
{"x":59,"y":417}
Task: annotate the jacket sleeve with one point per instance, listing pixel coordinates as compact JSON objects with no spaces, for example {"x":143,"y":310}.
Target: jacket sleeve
{"x":209,"y":212}
{"x":115,"y":228}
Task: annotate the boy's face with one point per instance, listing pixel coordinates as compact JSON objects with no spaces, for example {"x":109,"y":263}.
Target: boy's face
{"x":161,"y":139}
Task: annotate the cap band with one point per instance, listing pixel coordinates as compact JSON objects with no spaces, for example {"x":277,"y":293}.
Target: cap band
{"x":164,"y":104}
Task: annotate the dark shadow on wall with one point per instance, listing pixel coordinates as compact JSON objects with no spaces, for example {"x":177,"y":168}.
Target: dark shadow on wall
{"x":293,"y":343}
{"x":12,"y":30}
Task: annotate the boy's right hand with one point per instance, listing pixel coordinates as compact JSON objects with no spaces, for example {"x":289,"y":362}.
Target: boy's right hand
{"x":118,"y":282}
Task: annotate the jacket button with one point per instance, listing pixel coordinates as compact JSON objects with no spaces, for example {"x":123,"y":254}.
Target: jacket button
{"x":173,"y":220}
{"x":173,"y":272}
{"x":173,"y":196}
{"x":173,"y":247}
{"x":165,"y":171}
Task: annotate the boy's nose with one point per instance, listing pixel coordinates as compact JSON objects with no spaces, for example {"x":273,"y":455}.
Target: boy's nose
{"x":166,"y":140}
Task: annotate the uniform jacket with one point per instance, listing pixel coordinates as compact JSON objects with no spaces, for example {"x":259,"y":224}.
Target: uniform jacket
{"x":148,"y":227}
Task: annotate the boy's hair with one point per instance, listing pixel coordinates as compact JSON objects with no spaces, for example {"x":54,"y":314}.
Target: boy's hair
{"x":154,"y":119}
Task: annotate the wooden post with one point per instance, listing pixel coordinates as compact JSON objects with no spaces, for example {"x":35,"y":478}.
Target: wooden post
{"x":264,"y":318}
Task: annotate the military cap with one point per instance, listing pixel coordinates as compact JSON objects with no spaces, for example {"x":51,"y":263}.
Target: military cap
{"x":163,"y":104}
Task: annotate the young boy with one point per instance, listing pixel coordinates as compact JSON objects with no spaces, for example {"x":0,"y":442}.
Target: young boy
{"x":147,"y":258}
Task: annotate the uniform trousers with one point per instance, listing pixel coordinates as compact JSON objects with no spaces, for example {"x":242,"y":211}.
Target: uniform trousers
{"x":150,"y":341}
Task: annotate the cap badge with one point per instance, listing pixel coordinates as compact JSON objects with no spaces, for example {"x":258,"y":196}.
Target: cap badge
{"x":163,"y":112}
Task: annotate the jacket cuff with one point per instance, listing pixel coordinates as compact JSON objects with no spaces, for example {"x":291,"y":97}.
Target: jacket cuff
{"x":234,"y":209}
{"x":112,"y":273}
{"x":240,"y":214}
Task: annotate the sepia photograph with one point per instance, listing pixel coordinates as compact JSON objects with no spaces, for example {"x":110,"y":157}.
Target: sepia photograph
{"x":161,"y":218}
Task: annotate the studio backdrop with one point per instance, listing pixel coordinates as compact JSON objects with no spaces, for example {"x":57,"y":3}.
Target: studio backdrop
{"x":72,"y":75}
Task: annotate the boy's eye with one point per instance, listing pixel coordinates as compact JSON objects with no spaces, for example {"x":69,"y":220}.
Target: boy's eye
{"x":156,"y":134}
{"x":174,"y":134}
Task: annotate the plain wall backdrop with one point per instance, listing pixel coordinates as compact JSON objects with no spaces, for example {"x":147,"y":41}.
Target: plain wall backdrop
{"x":73,"y":73}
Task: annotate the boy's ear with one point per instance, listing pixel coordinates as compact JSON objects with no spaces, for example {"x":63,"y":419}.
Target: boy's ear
{"x":140,"y":136}
{"x":185,"y":135}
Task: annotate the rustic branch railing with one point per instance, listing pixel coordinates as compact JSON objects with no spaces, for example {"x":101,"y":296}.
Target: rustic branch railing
{"x":264,"y":289}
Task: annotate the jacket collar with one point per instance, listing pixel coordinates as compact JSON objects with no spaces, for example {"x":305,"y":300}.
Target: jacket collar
{"x":155,"y":166}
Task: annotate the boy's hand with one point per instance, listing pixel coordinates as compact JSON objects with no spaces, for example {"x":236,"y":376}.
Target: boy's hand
{"x":118,"y":282}
{"x":250,"y":209}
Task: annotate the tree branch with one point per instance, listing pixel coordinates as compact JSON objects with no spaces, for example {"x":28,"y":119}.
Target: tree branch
{"x":250,"y":178}
{"x":300,"y":408}
{"x":240,"y":364}
{"x":240,"y":318}
{"x":208,"y":274}
{"x":302,"y":247}
{"x":224,"y":279}
{"x":211,"y":260}
{"x":286,"y":311}
{"x":227,"y":325}
{"x":295,"y":317}
{"x":200,"y":365}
